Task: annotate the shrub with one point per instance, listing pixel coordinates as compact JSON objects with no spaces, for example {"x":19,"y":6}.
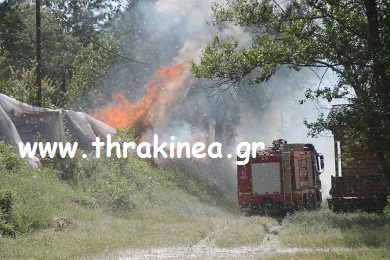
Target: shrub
{"x":9,"y":159}
{"x":6,"y":218}
{"x":386,"y":210}
{"x":21,"y":86}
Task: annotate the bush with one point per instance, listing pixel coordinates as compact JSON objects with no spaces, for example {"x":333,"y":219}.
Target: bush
{"x":6,"y":218}
{"x":21,"y":86}
{"x":9,"y":159}
{"x":386,"y":210}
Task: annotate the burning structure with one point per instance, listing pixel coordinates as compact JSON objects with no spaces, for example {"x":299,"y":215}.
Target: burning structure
{"x":167,"y":88}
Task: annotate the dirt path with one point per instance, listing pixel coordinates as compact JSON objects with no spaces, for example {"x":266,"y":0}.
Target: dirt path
{"x":205,"y":249}
{"x":195,"y":252}
{"x":208,"y":252}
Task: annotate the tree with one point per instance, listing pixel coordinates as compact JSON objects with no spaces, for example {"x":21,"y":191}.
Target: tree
{"x":15,"y":46}
{"x":75,"y":55}
{"x":92,"y":64}
{"x":350,"y":38}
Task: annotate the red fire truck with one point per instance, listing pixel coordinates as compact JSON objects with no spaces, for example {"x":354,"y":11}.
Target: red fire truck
{"x":281,"y":178}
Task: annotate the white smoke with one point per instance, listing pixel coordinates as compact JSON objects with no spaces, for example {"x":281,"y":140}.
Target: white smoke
{"x":193,"y":18}
{"x":282,"y":117}
{"x":176,"y":31}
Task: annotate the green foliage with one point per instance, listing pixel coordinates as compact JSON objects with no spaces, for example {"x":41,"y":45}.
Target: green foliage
{"x":21,"y":86}
{"x":31,"y":205}
{"x":276,"y":41}
{"x":124,"y":185}
{"x":17,"y":54}
{"x":92,"y":64}
{"x":325,"y":229}
{"x":6,"y":228}
{"x":83,"y":18}
{"x":41,"y":200}
{"x":152,"y":207}
{"x":5,"y":202}
{"x":386,"y":210}
{"x":75,"y":57}
{"x":16,"y":48}
{"x":11,"y":163}
{"x":125,"y":135}
{"x":85,"y":200}
{"x":108,"y":185}
{"x":9,"y":159}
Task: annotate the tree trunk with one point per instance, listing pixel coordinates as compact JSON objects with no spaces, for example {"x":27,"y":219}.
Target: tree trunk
{"x":379,"y":131}
{"x":38,"y":68}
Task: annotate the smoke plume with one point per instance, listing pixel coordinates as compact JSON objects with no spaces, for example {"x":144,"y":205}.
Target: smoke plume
{"x":169,"y":34}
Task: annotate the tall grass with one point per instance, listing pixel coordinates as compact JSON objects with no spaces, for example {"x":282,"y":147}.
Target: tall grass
{"x":82,"y":208}
{"x":244,"y":231}
{"x":94,"y":206}
{"x":326,"y":229}
{"x":330,"y":254}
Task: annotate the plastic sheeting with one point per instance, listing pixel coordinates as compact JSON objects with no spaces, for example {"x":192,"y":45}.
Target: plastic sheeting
{"x":20,"y":122}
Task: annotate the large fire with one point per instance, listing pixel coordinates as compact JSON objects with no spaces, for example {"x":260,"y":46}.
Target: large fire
{"x":162,"y":92}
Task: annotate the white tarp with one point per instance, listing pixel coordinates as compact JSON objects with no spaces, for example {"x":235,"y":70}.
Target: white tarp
{"x":22,"y":122}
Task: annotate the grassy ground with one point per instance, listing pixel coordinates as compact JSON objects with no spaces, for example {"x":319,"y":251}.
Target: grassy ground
{"x":99,"y":206}
{"x":363,"y":254}
{"x":103,"y":234}
{"x":88,"y":208}
{"x":326,"y":229}
{"x":323,"y":234}
{"x":244,"y":231}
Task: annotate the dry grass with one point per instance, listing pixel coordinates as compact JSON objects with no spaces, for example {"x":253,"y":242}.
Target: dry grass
{"x":325,"y":229}
{"x":244,"y":231}
{"x":102,"y":234}
{"x":330,"y":254}
{"x":108,"y":206}
{"x":102,"y":207}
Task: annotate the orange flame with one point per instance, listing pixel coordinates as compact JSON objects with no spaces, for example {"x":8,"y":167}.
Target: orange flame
{"x":162,"y":92}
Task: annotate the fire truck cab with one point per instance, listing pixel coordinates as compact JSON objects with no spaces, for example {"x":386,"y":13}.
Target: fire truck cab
{"x":281,"y":178}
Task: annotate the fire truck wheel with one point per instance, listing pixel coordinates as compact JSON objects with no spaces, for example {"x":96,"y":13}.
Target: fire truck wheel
{"x":330,"y":205}
{"x":304,"y":202}
{"x":248,"y":214}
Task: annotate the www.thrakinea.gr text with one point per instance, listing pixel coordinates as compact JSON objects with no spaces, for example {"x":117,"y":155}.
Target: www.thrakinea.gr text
{"x":198,"y":150}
